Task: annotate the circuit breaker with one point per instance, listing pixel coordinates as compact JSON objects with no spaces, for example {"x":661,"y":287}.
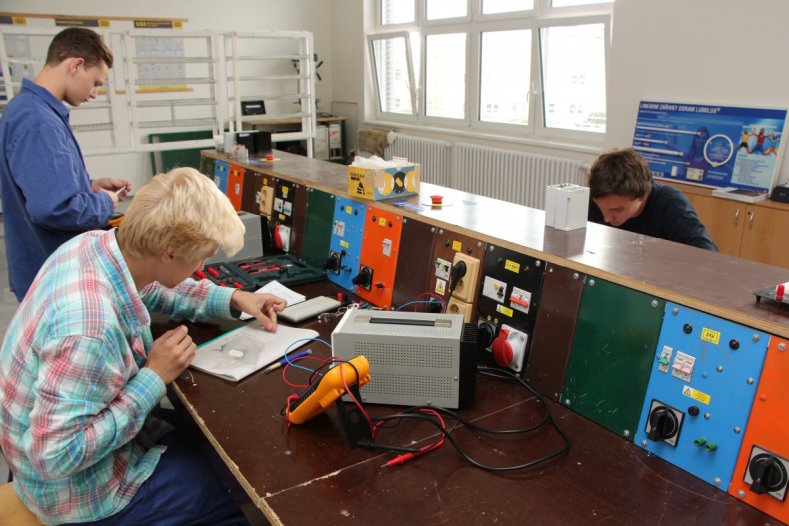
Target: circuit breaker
{"x":761,"y":474}
{"x":701,"y":387}
{"x":375,"y":278}
{"x":345,"y":245}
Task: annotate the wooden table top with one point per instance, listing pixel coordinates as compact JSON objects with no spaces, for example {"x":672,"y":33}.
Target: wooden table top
{"x":309,"y":473}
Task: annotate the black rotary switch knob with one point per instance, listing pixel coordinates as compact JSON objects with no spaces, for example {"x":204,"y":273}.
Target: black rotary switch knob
{"x":364,"y":278}
{"x":663,"y":424}
{"x":768,"y":474}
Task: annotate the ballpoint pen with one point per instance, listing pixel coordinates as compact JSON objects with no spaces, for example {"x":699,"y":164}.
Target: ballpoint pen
{"x":286,"y":360}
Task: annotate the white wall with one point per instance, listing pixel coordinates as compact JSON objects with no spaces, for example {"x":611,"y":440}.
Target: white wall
{"x":702,"y":51}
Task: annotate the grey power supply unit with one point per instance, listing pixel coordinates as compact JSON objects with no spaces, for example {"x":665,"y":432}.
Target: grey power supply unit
{"x":253,"y":240}
{"x":415,"y":358}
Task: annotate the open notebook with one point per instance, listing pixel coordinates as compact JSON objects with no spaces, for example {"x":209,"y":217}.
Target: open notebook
{"x":241,"y":352}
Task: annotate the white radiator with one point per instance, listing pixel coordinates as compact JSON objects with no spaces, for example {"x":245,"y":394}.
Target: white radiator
{"x":518,"y":177}
{"x":433,"y":155}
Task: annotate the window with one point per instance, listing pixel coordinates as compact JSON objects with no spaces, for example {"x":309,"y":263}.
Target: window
{"x":445,"y":75}
{"x":393,"y":73}
{"x":525,"y":68}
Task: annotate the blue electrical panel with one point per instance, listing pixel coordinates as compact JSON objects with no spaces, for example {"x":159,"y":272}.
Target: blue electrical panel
{"x":221,"y":174}
{"x":701,"y":388}
{"x":345,"y":245}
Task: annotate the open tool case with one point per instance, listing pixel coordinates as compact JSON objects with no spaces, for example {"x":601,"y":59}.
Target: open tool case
{"x":254,"y":270}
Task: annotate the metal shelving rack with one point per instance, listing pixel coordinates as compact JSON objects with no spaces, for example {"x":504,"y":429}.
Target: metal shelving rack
{"x":282,"y":72}
{"x":191,"y":101}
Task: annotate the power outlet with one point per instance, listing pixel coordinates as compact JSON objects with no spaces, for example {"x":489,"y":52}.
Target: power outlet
{"x":266,"y":200}
{"x":509,"y":348}
{"x":456,"y":306}
{"x":466,"y":287}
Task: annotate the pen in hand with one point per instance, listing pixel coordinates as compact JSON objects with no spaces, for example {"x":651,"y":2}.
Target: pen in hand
{"x":284,"y":361}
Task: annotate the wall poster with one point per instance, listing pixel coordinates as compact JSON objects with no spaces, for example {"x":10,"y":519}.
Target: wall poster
{"x":718,"y":146}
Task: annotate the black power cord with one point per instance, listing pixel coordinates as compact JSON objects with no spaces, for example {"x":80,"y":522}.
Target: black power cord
{"x":446,"y":432}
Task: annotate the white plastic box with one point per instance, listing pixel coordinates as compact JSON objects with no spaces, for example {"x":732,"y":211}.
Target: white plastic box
{"x":566,"y":206}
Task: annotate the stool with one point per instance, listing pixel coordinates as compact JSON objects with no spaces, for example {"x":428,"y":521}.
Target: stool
{"x":12,"y":511}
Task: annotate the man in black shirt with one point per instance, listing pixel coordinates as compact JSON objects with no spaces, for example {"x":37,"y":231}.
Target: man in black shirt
{"x":624,"y":196}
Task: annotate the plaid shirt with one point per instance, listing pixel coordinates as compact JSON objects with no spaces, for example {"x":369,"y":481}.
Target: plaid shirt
{"x":75,"y":396}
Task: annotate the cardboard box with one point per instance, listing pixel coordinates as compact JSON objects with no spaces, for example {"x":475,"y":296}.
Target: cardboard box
{"x":388,"y":183}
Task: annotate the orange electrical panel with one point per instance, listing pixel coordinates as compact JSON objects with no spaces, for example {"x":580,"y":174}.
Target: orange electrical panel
{"x":760,"y":476}
{"x":375,"y":277}
{"x":235,"y":185}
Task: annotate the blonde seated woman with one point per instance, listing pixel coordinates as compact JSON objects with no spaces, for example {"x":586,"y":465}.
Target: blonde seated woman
{"x":81,"y":374}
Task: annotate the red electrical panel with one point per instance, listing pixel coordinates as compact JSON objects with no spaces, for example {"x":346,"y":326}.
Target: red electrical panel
{"x":375,"y":277}
{"x":760,"y":475}
{"x":235,"y":185}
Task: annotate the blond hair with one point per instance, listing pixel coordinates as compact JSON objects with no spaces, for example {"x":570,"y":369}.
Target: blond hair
{"x":184,"y":212}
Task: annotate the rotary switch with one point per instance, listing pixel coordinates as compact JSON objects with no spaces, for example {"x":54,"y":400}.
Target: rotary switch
{"x":663,"y":424}
{"x":768,"y":474}
{"x":364,"y":278}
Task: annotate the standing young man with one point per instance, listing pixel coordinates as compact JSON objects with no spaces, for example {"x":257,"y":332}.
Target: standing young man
{"x":80,"y":372}
{"x":47,"y":194}
{"x":624,"y":196}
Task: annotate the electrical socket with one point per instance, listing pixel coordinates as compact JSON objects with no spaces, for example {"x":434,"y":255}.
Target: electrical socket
{"x":455,"y":306}
{"x":466,"y":287}
{"x":509,"y":348}
{"x":266,"y":200}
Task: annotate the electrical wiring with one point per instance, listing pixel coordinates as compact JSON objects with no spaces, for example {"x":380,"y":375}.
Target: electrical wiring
{"x":439,"y":423}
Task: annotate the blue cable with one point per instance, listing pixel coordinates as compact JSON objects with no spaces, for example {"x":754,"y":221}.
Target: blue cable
{"x":293,"y":364}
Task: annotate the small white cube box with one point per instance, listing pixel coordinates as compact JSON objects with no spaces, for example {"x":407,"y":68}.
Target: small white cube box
{"x":566,"y":206}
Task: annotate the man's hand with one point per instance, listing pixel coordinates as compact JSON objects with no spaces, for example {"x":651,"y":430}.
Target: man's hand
{"x":172,"y":352}
{"x":264,"y":307}
{"x":117,"y":188}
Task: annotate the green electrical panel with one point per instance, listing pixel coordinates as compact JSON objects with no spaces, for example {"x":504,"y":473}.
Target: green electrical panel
{"x":317,"y":233}
{"x":207,"y":166}
{"x":611,"y":356}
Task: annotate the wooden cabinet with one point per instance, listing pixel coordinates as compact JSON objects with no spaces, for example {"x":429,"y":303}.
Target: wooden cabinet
{"x":755,"y":231}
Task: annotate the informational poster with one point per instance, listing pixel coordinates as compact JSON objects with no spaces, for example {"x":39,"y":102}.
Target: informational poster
{"x":719,"y":146}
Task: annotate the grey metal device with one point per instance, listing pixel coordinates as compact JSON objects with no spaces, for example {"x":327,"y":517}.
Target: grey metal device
{"x":253,"y":240}
{"x":415,"y":358}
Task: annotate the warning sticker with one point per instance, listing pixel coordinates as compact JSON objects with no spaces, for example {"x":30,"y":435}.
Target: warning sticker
{"x":697,"y":395}
{"x":512,"y":266}
{"x":708,"y":335}
{"x":504,"y":310}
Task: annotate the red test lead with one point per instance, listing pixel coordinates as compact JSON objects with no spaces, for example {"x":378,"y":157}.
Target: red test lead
{"x":779,"y":292}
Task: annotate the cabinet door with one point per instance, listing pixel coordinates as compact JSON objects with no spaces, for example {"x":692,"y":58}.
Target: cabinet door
{"x":766,"y":235}
{"x":724,"y":220}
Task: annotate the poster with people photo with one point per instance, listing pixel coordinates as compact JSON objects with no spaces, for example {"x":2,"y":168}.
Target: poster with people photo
{"x":717,"y":146}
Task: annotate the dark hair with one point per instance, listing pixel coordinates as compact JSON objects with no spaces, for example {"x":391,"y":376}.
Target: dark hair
{"x":620,"y":172}
{"x":81,"y":43}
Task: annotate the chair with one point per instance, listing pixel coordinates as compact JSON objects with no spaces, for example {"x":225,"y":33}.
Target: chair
{"x":12,"y":511}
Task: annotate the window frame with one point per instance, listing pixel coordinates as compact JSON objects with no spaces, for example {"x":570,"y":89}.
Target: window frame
{"x":541,"y":16}
{"x":412,"y":87}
